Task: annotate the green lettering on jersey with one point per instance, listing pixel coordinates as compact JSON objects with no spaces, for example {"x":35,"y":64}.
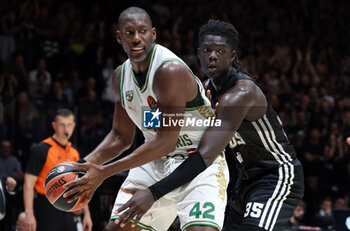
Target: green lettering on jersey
{"x":187,"y":139}
{"x":183,"y":141}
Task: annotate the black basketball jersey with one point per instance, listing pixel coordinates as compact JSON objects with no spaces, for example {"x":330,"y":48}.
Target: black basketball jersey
{"x":258,"y":146}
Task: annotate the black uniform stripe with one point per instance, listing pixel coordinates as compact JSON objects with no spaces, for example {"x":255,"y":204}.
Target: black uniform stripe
{"x":271,"y":140}
{"x":287,"y":177}
{"x":274,"y":204}
{"x":277,"y":191}
{"x":289,"y":186}
{"x":289,"y":170}
{"x":262,"y":137}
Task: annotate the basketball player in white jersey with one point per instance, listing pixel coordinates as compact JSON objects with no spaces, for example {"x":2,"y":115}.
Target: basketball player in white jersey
{"x":155,"y":78}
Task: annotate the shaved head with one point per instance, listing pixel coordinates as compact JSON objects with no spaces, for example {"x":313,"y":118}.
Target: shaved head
{"x":133,"y":10}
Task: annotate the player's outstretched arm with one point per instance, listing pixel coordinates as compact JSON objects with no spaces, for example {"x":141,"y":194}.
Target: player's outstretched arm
{"x":244,"y":101}
{"x":121,"y":135}
{"x":117,"y":140}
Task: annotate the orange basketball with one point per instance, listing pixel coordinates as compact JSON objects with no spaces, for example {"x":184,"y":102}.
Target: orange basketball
{"x":57,"y":177}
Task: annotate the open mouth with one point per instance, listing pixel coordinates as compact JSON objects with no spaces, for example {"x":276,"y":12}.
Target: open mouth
{"x":212,"y":68}
{"x":137,"y":50}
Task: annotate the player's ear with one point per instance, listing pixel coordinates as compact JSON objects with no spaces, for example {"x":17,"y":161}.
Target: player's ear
{"x":117,"y":35}
{"x":154,"y":33}
{"x":233,"y":55}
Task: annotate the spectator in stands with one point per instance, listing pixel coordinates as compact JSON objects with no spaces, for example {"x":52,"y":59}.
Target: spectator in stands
{"x":107,"y":74}
{"x":323,"y":217}
{"x":40,"y":69}
{"x":10,"y":175}
{"x":7,"y":187}
{"x":40,"y":88}
{"x":341,"y":203}
{"x":9,"y":164}
{"x":298,"y":215}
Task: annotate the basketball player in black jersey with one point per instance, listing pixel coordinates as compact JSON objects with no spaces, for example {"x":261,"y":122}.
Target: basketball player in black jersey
{"x":267,"y":178}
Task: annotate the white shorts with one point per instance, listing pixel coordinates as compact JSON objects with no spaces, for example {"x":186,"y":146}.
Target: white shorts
{"x":199,"y":202}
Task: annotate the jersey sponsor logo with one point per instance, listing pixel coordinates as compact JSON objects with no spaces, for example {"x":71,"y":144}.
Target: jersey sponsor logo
{"x":151,"y":118}
{"x":152,"y":103}
{"x":236,"y":140}
{"x":129,"y":95}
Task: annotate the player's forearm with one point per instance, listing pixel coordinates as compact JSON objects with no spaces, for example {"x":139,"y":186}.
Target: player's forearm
{"x":183,"y":174}
{"x":193,"y":165}
{"x":111,"y":146}
{"x":196,"y":163}
{"x":151,"y":150}
{"x":209,"y":151}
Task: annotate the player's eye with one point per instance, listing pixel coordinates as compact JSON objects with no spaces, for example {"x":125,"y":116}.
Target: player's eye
{"x":143,"y":31}
{"x":221,"y":51}
{"x":205,"y":50}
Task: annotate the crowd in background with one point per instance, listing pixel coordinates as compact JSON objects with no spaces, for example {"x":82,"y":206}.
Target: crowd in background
{"x":56,"y":54}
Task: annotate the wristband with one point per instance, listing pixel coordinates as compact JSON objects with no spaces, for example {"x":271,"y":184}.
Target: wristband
{"x":183,"y":174}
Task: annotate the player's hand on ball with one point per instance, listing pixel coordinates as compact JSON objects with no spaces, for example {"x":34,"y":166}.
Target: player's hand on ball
{"x":136,"y":207}
{"x":86,"y":184}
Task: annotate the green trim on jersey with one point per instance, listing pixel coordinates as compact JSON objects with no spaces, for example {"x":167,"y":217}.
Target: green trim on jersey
{"x":204,"y":100}
{"x":164,"y":61}
{"x":201,"y":223}
{"x":121,"y":85}
{"x":144,"y":87}
{"x":196,"y":78}
{"x":139,"y":224}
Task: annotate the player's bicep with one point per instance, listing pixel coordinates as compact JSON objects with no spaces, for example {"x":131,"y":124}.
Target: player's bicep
{"x":122,"y":124}
{"x":170,"y":89}
{"x":171,"y":85}
{"x":244,"y":101}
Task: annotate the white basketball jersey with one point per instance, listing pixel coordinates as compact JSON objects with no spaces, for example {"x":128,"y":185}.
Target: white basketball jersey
{"x":136,"y":99}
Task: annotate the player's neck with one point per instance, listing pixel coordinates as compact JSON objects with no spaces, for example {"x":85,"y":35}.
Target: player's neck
{"x":139,"y":67}
{"x":219,"y":82}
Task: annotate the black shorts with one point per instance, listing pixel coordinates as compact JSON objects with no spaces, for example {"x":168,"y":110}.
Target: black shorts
{"x":267,"y":202}
{"x":49,"y":218}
